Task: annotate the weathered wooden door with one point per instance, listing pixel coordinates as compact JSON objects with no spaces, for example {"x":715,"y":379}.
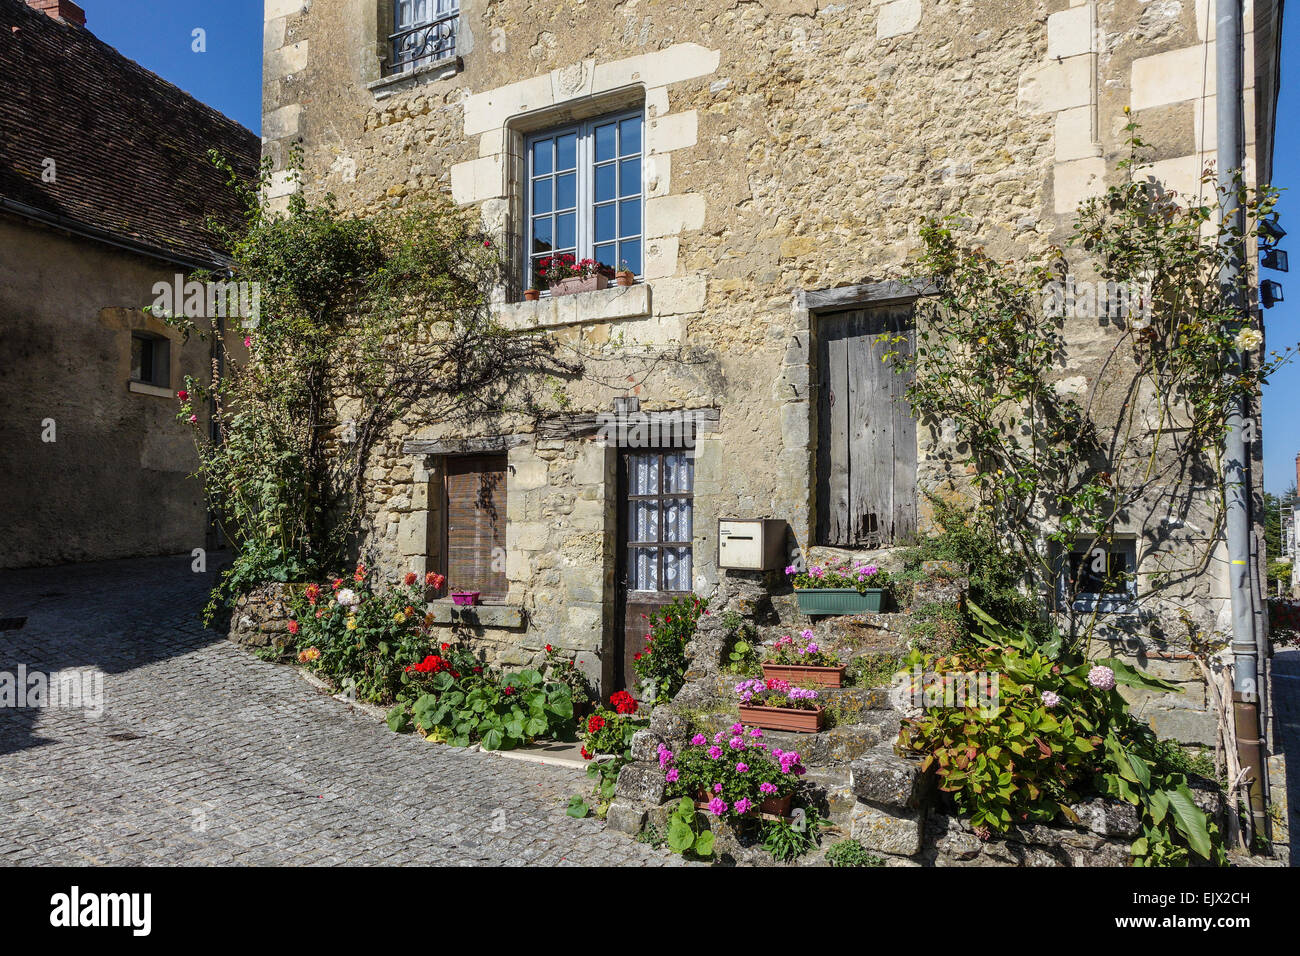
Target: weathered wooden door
{"x":656,"y":504}
{"x":866,"y":435}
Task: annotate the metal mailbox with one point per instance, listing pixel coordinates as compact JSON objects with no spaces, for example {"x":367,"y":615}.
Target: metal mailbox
{"x":751,"y":544}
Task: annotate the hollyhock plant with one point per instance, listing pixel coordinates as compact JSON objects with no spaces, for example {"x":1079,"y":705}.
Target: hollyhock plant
{"x":749,"y":776}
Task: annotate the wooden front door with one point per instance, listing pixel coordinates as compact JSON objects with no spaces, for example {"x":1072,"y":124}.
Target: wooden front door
{"x":654,"y":531}
{"x":866,"y":435}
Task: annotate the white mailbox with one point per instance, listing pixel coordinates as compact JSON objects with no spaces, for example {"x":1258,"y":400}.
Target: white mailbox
{"x":751,"y":544}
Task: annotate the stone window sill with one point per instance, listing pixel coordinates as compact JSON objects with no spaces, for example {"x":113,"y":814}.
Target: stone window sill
{"x":141,"y":388}
{"x":443,"y":69}
{"x":581,"y":308}
{"x":488,"y":615}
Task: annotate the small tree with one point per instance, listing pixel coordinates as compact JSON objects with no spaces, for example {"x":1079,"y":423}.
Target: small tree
{"x":1053,"y":460}
{"x":363,"y":320}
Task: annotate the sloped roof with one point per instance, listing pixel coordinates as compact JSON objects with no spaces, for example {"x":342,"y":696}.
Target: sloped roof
{"x":130,"y":149}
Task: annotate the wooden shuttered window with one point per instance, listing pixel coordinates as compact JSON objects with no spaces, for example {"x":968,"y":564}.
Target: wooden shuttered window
{"x":476,"y":525}
{"x":866,"y":435}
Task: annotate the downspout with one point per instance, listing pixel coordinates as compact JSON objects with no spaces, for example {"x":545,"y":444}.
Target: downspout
{"x":1231,"y":157}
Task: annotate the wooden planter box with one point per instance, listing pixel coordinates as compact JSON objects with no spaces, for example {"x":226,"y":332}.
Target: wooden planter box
{"x":839,"y":600}
{"x":805,"y":675}
{"x":782,"y":718}
{"x":589,"y":284}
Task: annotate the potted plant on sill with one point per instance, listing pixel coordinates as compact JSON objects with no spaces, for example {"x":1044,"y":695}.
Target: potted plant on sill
{"x":777,"y":705}
{"x":802,"y":662}
{"x":464,"y":598}
{"x":841,"y":589}
{"x":624,"y":276}
{"x":532,"y":295}
{"x":565,"y":275}
{"x":733,"y":773}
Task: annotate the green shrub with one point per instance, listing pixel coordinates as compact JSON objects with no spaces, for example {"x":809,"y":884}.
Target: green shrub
{"x":662,"y":664}
{"x":851,"y":853}
{"x":1056,"y":731}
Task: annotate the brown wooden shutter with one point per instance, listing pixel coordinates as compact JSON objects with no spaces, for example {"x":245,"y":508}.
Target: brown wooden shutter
{"x":476,"y":525}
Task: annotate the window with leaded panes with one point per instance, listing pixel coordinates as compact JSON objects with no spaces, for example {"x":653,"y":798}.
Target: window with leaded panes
{"x":584,"y":195}
{"x":660,"y":488}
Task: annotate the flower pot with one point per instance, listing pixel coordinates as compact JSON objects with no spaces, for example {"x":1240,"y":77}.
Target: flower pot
{"x":464,"y":598}
{"x":805,"y":675}
{"x":782,"y":718}
{"x":625,"y":278}
{"x":532,"y":295}
{"x":580,"y":284}
{"x":839,"y":600}
{"x":777,"y":806}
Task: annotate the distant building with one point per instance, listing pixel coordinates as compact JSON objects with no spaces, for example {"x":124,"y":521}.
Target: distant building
{"x":105,"y":190}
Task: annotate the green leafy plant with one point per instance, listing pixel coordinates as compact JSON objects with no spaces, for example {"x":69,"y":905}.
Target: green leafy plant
{"x":685,"y":836}
{"x":577,"y":807}
{"x":742,"y":657}
{"x":851,"y":853}
{"x":1070,"y":465}
{"x":500,"y":712}
{"x":361,"y":320}
{"x":786,"y":840}
{"x":661,"y":667}
{"x":1057,"y":730}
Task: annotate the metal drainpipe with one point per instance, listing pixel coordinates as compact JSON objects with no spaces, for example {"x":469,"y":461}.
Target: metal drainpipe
{"x":1231,"y":156}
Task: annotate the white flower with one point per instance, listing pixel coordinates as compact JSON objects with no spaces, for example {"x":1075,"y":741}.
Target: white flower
{"x":347,"y":597}
{"x":1249,"y":339}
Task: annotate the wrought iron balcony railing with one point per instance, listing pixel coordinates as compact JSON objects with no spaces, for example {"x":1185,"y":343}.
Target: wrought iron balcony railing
{"x":425,"y":43}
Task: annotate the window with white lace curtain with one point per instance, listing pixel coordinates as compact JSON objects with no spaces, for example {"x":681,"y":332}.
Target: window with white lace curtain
{"x":660,"y":487}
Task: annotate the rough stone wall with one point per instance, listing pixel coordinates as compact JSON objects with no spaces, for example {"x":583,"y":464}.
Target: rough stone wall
{"x":791,"y":146}
{"x":115,"y":481}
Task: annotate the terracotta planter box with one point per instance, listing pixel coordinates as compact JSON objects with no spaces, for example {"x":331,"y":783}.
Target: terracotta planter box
{"x":804,"y":675}
{"x":776,"y":806}
{"x":625,"y":278}
{"x":589,"y":284}
{"x":839,"y":600}
{"x":782,"y":718}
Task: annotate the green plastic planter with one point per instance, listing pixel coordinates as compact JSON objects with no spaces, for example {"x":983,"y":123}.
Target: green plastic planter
{"x":839,"y":600}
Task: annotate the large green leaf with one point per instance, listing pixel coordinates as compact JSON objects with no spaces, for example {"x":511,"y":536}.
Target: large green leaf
{"x":493,"y":739}
{"x":1125,"y":674}
{"x":680,"y":835}
{"x":704,"y":844}
{"x":1190,"y":820}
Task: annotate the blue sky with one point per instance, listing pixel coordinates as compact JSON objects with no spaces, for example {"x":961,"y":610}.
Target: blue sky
{"x":158,"y":34}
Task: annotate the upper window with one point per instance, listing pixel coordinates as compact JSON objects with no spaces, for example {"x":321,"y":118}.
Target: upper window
{"x":424,"y":32}
{"x":150,"y":360}
{"x":584,"y":194}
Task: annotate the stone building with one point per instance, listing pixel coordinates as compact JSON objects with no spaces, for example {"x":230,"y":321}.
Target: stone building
{"x":105,"y":190}
{"x":762,"y":167}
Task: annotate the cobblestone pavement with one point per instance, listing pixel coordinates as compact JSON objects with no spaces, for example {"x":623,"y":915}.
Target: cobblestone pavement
{"x":206,"y":755}
{"x":1286,"y":708}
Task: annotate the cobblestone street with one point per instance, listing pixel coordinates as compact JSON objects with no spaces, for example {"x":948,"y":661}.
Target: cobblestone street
{"x":206,"y":755}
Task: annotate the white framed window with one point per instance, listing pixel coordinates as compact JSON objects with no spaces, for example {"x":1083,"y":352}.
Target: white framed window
{"x":584,"y":194}
{"x":424,"y":31}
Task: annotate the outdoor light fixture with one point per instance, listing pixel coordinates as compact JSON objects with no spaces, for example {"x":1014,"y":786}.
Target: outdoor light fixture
{"x":1270,"y":293}
{"x":1275,"y":259}
{"x":1272,"y":232}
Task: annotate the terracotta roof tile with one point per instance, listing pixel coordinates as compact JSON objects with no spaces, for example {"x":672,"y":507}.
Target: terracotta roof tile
{"x":130,"y":149}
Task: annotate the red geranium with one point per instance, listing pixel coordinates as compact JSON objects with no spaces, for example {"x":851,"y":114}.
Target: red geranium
{"x":293,"y":627}
{"x":313,"y":593}
{"x":409,"y":579}
{"x":623,"y":702}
